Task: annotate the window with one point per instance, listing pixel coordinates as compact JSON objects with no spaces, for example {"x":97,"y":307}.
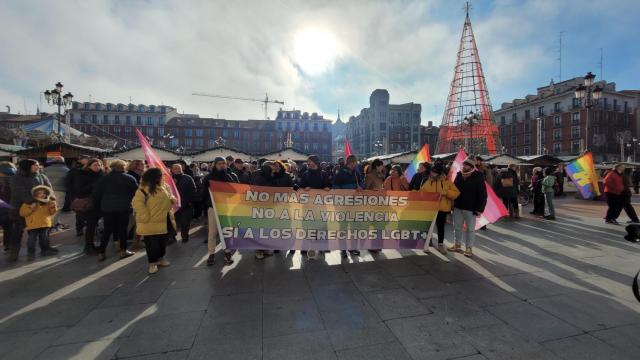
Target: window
{"x":174,"y":143}
{"x":325,"y":127}
{"x":279,"y":126}
{"x":575,"y":147}
{"x":138,"y":120}
{"x":128,"y":120}
{"x":383,"y":126}
{"x":149,"y":121}
{"x":152,"y":108}
{"x":541,"y":111}
{"x":120,"y":107}
{"x":315,"y":127}
{"x":225,"y":133}
{"x":94,"y":119}
{"x":325,"y":147}
{"x":527,"y":127}
{"x":297,"y":126}
{"x":315,"y":146}
{"x":131,"y":108}
{"x":188,"y":132}
{"x":212,"y":143}
{"x":557,"y":134}
{"x":116,"y":120}
{"x":109,"y":107}
{"x":527,"y":114}
{"x":576,"y":102}
{"x":160,"y":120}
{"x":163,"y":109}
{"x":557,"y":148}
{"x":116,"y":130}
{"x":199,"y":143}
{"x":526,"y":151}
{"x":306,"y":147}
{"x":199,"y":132}
{"x":149,"y":132}
{"x":87,"y":106}
{"x":188,"y":142}
{"x":503,"y":121}
{"x":212,"y":133}
{"x":527,"y":139}
{"x":105,"y":119}
{"x":514,"y":117}
{"x":514,"y":141}
{"x":98,"y":107}
{"x":575,"y":118}
{"x":575,"y":132}
{"x":127,"y":131}
{"x":542,"y":123}
{"x":556,"y":107}
{"x":160,"y":131}
{"x":556,"y":121}
{"x":73,"y":118}
{"x":236,"y":134}
{"x":141,"y":108}
{"x":502,"y":131}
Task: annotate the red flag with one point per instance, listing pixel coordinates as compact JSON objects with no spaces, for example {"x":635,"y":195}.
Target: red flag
{"x":347,"y":148}
{"x":154,"y":162}
{"x":495,"y":209}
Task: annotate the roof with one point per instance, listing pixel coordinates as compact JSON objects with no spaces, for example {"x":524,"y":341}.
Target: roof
{"x":49,"y":126}
{"x":56,"y":146}
{"x":11,"y":148}
{"x":534,"y":158}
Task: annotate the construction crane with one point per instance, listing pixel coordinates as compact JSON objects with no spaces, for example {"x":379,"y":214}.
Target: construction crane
{"x":266,"y":100}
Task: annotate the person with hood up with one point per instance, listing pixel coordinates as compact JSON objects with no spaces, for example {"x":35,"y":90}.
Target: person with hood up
{"x":38,"y":217}
{"x":437,"y":182}
{"x":218,"y":172}
{"x":469,"y":204}
{"x":26,"y":178}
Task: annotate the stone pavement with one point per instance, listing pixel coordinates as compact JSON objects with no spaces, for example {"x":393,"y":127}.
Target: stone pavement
{"x":534,"y":290}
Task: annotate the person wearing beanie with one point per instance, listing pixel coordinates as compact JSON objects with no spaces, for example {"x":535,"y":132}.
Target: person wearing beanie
{"x":469,"y":204}
{"x":26,"y":178}
{"x":314,"y":178}
{"x":7,"y":170}
{"x":219,"y":172}
{"x":437,"y":182}
{"x":39,"y":219}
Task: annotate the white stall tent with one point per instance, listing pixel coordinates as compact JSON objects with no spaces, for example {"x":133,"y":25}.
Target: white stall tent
{"x":223,"y":151}
{"x":137,"y":154}
{"x":285,"y":154}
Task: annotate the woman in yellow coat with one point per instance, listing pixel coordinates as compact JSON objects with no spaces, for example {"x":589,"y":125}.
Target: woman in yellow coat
{"x":438,"y":182}
{"x":152,"y":205}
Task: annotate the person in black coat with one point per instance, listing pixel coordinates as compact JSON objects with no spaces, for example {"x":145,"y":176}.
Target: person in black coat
{"x":83,"y":187}
{"x":114,"y":192}
{"x":219,"y":172}
{"x":506,"y":187}
{"x":281,"y":177}
{"x":470,"y":203}
{"x":243,"y":175}
{"x":264,"y":176}
{"x":187,"y":190}
{"x":70,"y":181}
{"x":314,"y":177}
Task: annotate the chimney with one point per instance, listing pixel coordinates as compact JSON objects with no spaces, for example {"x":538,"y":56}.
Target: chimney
{"x":430,"y":124}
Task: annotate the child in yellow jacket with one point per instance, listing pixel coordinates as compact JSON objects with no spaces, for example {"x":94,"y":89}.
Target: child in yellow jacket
{"x":39,"y":219}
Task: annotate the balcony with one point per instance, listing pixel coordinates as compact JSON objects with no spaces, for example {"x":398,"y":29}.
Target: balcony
{"x":558,"y":110}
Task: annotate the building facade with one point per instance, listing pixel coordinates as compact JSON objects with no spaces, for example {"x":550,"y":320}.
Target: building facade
{"x":429,"y":135}
{"x":384,"y":128}
{"x":165,"y":127}
{"x":554,"y":122}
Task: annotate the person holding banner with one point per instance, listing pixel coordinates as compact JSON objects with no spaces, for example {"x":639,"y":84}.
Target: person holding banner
{"x":152,"y":205}
{"x":374,"y":178}
{"x":420,"y":177}
{"x":219,"y":172}
{"x":469,"y":204}
{"x":347,"y":178}
{"x":437,"y":182}
{"x":395,"y":181}
{"x":314,"y":178}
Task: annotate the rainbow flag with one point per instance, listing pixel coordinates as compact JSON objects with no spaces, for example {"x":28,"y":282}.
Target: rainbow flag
{"x":583,"y":174}
{"x":153,"y":161}
{"x":494,"y":209}
{"x":52,"y":155}
{"x":422,"y":156}
{"x":256,"y":217}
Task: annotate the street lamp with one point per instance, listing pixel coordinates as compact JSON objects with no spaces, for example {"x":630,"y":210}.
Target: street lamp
{"x":55,"y":97}
{"x":378,"y":145}
{"x":471,"y":119}
{"x":589,"y":95}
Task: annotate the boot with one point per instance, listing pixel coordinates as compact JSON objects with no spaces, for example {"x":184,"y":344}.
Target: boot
{"x":126,"y":254}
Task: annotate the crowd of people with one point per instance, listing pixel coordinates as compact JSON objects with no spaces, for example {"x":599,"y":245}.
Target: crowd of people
{"x":127,"y":201}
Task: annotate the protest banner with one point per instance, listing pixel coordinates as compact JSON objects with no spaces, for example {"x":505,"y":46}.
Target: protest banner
{"x":254,"y":217}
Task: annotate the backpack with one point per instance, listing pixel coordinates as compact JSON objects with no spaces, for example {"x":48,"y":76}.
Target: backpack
{"x":506,"y":182}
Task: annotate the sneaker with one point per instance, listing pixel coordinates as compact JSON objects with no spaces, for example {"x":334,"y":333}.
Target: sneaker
{"x":126,"y":254}
{"x":343,"y":253}
{"x":211,"y":260}
{"x":442,"y":249}
{"x":101,"y":257}
{"x":455,"y":248}
{"x":163,"y":262}
{"x":259,"y":254}
{"x":468,"y":252}
{"x":153,"y":268}
{"x":49,"y":251}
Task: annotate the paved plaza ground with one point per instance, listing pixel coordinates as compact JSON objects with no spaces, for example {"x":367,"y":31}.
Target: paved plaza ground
{"x":535,"y":290}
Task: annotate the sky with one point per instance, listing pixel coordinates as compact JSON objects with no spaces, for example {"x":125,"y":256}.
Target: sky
{"x":316,"y":56}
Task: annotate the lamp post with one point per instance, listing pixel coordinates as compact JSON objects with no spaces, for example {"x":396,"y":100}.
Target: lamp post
{"x":589,"y":95}
{"x":471,"y":119}
{"x":55,"y":97}
{"x":378,"y":145}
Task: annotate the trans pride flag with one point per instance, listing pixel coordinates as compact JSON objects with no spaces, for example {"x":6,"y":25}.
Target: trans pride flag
{"x":495,"y":209}
{"x":583,"y":173}
{"x":421,"y":157}
{"x":154,"y":162}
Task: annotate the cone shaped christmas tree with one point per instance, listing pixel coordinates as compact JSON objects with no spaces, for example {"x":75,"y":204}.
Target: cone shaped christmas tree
{"x":468,"y":117}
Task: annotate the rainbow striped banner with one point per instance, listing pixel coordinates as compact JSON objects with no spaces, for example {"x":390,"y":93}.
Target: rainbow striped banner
{"x":256,"y":217}
{"x":583,"y":174}
{"x":421,"y":157}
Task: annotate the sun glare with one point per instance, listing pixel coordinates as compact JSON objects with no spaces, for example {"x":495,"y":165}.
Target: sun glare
{"x":315,"y":50}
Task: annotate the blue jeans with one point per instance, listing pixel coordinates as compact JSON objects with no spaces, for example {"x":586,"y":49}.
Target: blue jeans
{"x":461,"y":217}
{"x":41,"y":236}
{"x":548,"y":196}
